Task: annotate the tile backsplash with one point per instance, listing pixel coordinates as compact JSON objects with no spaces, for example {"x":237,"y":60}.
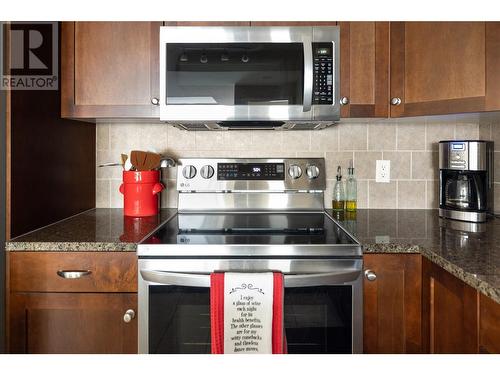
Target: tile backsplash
{"x":410,"y":145}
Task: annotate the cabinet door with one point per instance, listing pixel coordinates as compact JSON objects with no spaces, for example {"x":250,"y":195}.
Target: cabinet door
{"x":444,"y":67}
{"x":364,"y":69}
{"x":73,"y":323}
{"x":489,"y":325}
{"x":392,"y":303}
{"x":450,"y":313}
{"x":109,"y":69}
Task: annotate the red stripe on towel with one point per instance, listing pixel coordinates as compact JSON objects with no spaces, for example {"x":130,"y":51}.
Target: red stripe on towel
{"x":279,"y":345}
{"x":217,"y":312}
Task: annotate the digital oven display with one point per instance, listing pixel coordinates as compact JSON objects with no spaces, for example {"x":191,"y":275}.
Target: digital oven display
{"x":250,"y":171}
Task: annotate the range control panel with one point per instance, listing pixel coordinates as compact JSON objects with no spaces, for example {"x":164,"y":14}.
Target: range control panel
{"x":323,"y":73}
{"x":247,"y":174}
{"x":250,"y":171}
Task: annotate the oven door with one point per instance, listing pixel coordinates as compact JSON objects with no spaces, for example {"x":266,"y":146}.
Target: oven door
{"x":238,"y":74}
{"x":322,"y":303}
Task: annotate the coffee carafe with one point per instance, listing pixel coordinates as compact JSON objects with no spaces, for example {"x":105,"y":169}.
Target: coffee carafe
{"x":466,"y":180}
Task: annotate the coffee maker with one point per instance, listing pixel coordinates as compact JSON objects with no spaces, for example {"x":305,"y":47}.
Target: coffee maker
{"x":465,"y":180}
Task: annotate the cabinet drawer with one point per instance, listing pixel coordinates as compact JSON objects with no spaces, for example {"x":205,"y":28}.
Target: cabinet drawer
{"x":45,"y":272}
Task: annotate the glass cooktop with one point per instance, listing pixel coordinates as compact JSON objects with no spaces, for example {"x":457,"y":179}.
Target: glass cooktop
{"x":250,"y":229}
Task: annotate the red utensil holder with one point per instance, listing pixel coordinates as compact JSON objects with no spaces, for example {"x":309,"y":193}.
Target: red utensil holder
{"x":140,"y":193}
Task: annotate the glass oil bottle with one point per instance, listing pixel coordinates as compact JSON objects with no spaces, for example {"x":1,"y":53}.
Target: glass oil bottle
{"x":351,"y":189}
{"x":338,"y":196}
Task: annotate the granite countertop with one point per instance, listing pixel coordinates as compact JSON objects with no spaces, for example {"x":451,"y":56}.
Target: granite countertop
{"x":469,"y":251}
{"x":99,"y":229}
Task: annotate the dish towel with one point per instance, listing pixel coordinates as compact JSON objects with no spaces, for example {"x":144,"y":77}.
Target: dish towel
{"x":246,"y":313}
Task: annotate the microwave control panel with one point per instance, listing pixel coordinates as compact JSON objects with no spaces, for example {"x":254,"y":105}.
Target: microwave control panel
{"x":322,"y":73}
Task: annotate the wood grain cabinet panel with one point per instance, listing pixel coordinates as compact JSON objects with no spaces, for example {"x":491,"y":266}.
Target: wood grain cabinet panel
{"x":109,"y":69}
{"x":450,"y":312}
{"x":489,"y":325}
{"x":51,"y":314}
{"x":364,"y":69}
{"x":392,"y":303}
{"x":72,"y":323}
{"x":38,"y":272}
{"x":444,"y":67}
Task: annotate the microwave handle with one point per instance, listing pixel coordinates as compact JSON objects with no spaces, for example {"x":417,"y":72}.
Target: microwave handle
{"x":308,"y":76}
{"x":291,"y":281}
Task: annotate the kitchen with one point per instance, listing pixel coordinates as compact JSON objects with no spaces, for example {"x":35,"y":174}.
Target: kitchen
{"x":257,"y":183}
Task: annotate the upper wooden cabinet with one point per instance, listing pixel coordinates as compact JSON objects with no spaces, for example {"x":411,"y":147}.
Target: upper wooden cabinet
{"x":109,"y":69}
{"x":392,"y":303}
{"x":364,"y":69}
{"x":444,"y":67}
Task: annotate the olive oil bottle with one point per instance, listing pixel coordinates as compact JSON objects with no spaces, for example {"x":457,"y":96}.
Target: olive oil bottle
{"x":338,"y":196}
{"x":351,"y":189}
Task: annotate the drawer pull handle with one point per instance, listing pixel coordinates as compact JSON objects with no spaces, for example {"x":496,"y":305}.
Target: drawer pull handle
{"x":73,"y":274}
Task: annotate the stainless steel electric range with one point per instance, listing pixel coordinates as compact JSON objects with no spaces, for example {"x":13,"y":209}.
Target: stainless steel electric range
{"x":251,"y":215}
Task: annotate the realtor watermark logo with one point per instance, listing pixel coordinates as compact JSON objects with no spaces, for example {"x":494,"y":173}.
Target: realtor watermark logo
{"x":33,"y":57}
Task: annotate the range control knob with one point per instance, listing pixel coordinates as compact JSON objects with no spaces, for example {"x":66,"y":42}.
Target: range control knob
{"x":312,"y":172}
{"x":294,"y":171}
{"x":189,"y":171}
{"x":207,"y":171}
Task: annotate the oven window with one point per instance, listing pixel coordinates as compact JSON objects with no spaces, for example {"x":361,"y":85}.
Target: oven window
{"x":317,"y":320}
{"x":235,"y":73}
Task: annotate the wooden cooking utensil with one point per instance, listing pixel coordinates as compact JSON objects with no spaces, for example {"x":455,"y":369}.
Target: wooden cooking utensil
{"x":153,"y":161}
{"x":124,"y":159}
{"x":138,"y":160}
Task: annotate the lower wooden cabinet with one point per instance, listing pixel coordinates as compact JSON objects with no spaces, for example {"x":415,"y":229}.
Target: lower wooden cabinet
{"x":450,"y":312}
{"x":489,"y":325}
{"x":72,"y":302}
{"x":392,"y":303}
{"x":64,"y":323}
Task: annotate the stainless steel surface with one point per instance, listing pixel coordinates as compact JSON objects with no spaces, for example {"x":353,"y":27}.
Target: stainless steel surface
{"x":251,"y":201}
{"x":344,"y":100}
{"x":396,"y":101}
{"x":308,"y":75}
{"x":188,"y":172}
{"x":196,"y":117}
{"x":370,"y":275}
{"x":466,"y":179}
{"x":73,"y":274}
{"x":129,"y":316}
{"x":474,"y":217}
{"x":303,"y":272}
{"x":207,"y":171}
{"x":251,"y":225}
{"x":312,"y":172}
{"x":476,"y":156}
{"x":155,"y":101}
{"x":294,"y":171}
{"x":185,"y":184}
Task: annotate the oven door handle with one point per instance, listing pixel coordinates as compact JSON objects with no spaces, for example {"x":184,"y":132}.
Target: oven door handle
{"x":291,"y":281}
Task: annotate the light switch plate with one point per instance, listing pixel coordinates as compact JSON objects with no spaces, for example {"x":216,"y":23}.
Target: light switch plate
{"x":383,"y":171}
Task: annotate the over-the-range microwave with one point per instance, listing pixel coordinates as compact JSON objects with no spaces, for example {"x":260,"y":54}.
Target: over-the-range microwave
{"x":227,"y":78}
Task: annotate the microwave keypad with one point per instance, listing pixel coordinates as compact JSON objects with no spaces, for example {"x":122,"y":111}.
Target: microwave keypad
{"x":323,"y":74}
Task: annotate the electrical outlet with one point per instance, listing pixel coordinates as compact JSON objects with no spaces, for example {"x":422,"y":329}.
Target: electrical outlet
{"x":383,"y":171}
